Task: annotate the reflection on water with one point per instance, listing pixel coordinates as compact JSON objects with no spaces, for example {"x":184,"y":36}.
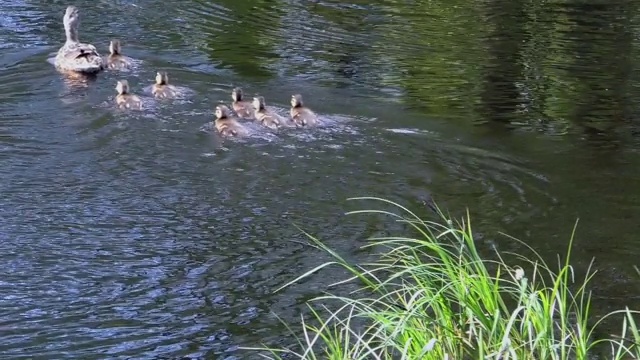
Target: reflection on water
{"x":136,"y":235}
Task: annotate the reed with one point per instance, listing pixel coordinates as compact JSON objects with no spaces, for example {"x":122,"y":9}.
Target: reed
{"x":433,"y":296}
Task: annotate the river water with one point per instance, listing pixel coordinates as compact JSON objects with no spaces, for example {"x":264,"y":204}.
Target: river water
{"x":137,"y":236}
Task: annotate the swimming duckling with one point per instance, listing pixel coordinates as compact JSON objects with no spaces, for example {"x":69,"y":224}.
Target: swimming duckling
{"x":266,"y":117}
{"x":74,"y":55}
{"x":116,"y":60}
{"x":227,"y":125}
{"x":162,"y":89}
{"x":242,"y":108}
{"x":124,"y":99}
{"x":301,"y":115}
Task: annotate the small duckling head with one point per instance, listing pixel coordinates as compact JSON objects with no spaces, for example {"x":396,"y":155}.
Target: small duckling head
{"x":296,"y":100}
{"x":122,"y":87}
{"x":162,"y":78}
{"x":222,"y":111}
{"x":236,"y":94}
{"x":114,"y":47}
{"x":258,"y":103}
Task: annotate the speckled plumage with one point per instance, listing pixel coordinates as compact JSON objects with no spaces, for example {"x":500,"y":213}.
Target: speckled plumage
{"x":74,"y":55}
{"x":243,"y":108}
{"x":301,"y":115}
{"x":266,"y":117}
{"x":228,"y":126}
{"x":162,"y":88}
{"x":116,"y":60}
{"x":126,"y":100}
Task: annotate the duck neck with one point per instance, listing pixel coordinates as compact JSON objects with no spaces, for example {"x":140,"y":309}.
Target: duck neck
{"x":71,"y":31}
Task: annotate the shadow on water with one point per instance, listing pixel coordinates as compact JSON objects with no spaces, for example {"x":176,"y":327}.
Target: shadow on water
{"x":138,"y":235}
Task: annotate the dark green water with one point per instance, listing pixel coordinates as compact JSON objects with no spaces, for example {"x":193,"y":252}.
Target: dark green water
{"x":135,"y":236}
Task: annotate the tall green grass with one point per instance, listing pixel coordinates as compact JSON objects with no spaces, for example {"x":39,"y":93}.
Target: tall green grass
{"x":435,"y":297}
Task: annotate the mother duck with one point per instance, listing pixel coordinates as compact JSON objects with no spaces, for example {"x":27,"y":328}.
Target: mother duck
{"x":74,"y":55}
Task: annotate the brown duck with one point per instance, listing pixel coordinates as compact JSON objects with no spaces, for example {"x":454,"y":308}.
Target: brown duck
{"x":243,"y":108}
{"x":124,"y":99}
{"x":302,"y":115}
{"x":226,"y":125}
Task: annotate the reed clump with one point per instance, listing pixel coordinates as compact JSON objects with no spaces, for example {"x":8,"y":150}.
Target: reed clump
{"x":433,"y":296}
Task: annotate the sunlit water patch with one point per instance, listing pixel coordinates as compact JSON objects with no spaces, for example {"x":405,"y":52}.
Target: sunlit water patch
{"x":133,"y":234}
{"x":408,"y":131}
{"x":22,"y":25}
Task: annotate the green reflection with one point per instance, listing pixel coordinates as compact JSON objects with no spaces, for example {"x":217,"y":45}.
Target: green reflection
{"x":239,"y":36}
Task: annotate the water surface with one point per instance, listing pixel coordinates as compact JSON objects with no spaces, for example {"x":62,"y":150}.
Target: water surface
{"x":136,"y":235}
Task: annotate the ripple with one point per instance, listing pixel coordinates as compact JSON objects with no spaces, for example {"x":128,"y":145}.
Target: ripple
{"x":136,"y":235}
{"x":21,"y":25}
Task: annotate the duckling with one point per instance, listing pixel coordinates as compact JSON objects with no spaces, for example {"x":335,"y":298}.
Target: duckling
{"x":301,"y":115}
{"x":124,"y":99}
{"x":226,"y":125}
{"x":242,"y":108}
{"x":74,"y":55}
{"x":266,"y":117}
{"x":116,"y":60}
{"x":162,"y":89}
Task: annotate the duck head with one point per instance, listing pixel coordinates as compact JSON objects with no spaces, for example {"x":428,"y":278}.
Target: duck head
{"x":236,"y":94}
{"x":296,"y":100}
{"x":71,"y":21}
{"x":114,"y":47}
{"x":122,"y":87}
{"x":162,"y":78}
{"x":222,"y":111}
{"x":258,"y":103}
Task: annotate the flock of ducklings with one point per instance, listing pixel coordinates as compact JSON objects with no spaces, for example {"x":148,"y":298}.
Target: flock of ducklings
{"x":82,"y":58}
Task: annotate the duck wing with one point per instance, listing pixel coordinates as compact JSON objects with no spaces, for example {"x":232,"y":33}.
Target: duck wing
{"x":79,"y":50}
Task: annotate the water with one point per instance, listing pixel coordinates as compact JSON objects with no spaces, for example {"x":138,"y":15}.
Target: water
{"x":135,"y":235}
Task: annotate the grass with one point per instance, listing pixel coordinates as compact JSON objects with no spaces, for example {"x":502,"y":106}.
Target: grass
{"x":436,"y":297}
